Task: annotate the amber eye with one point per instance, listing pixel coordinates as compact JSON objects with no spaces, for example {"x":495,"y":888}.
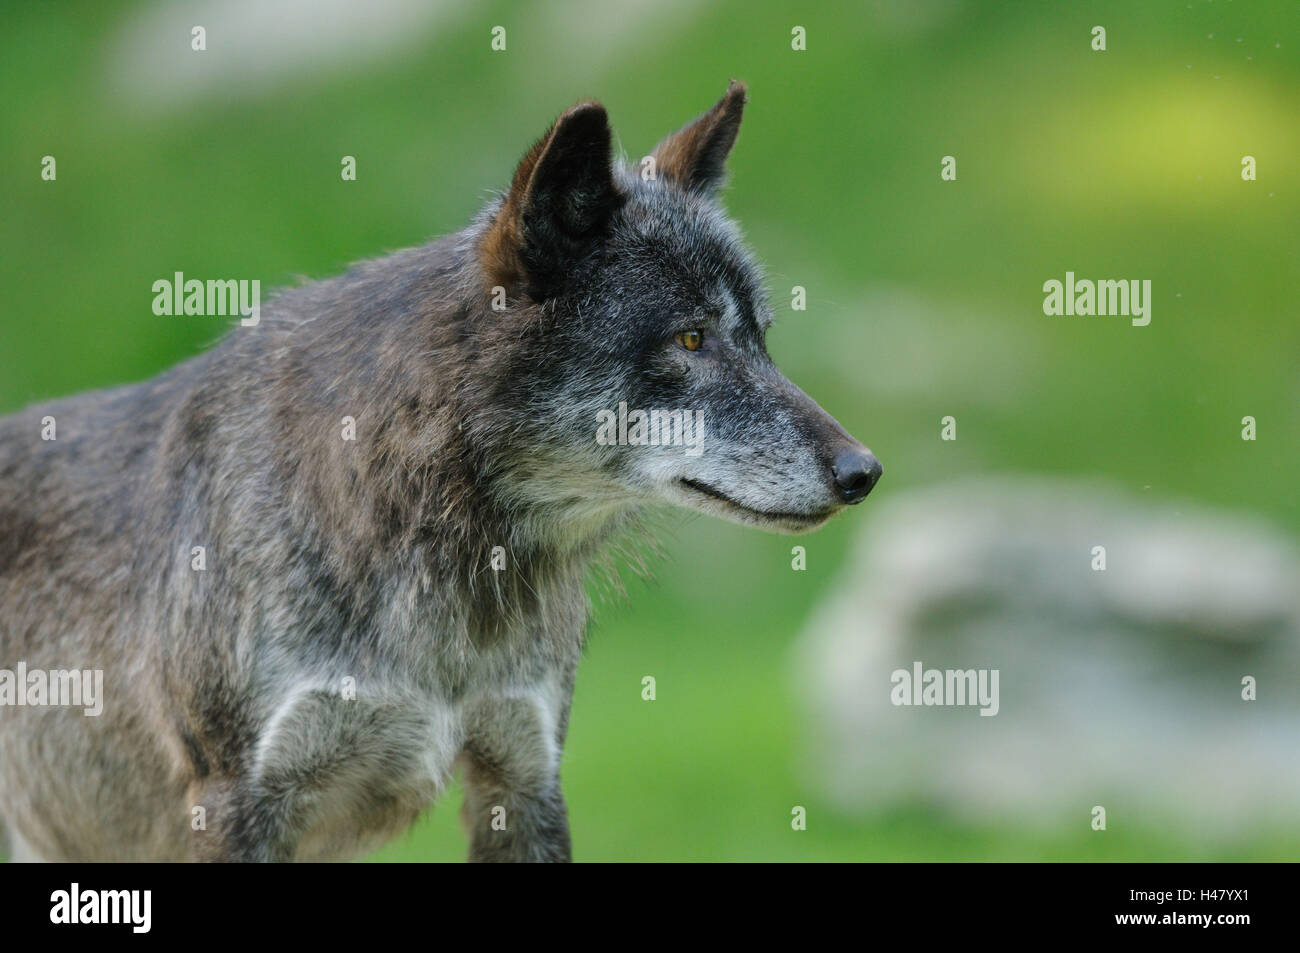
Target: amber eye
{"x":691,"y":340}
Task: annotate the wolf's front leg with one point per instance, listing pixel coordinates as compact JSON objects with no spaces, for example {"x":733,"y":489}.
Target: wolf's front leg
{"x":514,"y":809}
{"x":331,"y":777}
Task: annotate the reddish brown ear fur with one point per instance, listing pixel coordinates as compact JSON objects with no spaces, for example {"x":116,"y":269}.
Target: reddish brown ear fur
{"x":561,"y":188}
{"x":695,"y":156}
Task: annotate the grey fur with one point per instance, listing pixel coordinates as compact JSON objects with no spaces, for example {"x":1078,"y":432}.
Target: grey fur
{"x":371,"y":559}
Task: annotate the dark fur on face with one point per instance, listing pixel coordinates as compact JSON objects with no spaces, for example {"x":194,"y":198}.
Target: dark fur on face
{"x":372,"y":560}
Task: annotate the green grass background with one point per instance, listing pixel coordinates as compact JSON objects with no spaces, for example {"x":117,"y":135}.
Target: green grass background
{"x":924,"y":300}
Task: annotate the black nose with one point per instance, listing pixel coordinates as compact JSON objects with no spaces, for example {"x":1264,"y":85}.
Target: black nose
{"x":856,"y":471}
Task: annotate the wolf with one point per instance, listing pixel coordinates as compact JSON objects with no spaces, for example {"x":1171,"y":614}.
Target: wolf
{"x":340,"y":555}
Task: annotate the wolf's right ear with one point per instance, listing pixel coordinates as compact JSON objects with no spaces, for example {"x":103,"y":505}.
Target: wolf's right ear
{"x":695,"y":156}
{"x":560,"y":199}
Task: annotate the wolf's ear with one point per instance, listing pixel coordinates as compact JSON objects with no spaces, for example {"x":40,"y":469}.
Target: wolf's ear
{"x":695,"y":156}
{"x":561,"y":197}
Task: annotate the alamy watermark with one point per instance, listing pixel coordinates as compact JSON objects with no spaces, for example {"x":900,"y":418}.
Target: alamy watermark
{"x":54,"y":688}
{"x":946,"y":687}
{"x":131,"y":908}
{"x":225,"y":297}
{"x":1085,"y":297}
{"x":651,"y":428}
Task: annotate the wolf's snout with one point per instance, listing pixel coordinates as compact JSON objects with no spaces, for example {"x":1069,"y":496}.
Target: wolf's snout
{"x":856,"y":471}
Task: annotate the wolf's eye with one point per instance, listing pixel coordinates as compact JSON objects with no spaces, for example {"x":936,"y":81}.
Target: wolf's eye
{"x":691,"y":340}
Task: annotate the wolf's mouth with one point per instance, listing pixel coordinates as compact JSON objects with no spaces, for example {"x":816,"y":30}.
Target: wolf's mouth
{"x":799,"y":519}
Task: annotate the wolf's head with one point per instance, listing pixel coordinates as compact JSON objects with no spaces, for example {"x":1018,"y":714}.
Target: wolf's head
{"x":636,"y":368}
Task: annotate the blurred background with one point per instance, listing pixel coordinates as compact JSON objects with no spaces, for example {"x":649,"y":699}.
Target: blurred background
{"x":924,"y":301}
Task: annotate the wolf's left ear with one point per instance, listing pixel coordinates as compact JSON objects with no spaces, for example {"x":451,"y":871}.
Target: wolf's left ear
{"x":696,"y":155}
{"x":562,"y":195}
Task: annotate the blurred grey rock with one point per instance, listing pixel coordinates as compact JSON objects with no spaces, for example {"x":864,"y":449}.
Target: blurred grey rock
{"x":1121,"y":688}
{"x":254,"y":47}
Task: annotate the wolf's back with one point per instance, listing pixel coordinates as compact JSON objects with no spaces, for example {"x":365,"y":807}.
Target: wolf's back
{"x":71,"y":474}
